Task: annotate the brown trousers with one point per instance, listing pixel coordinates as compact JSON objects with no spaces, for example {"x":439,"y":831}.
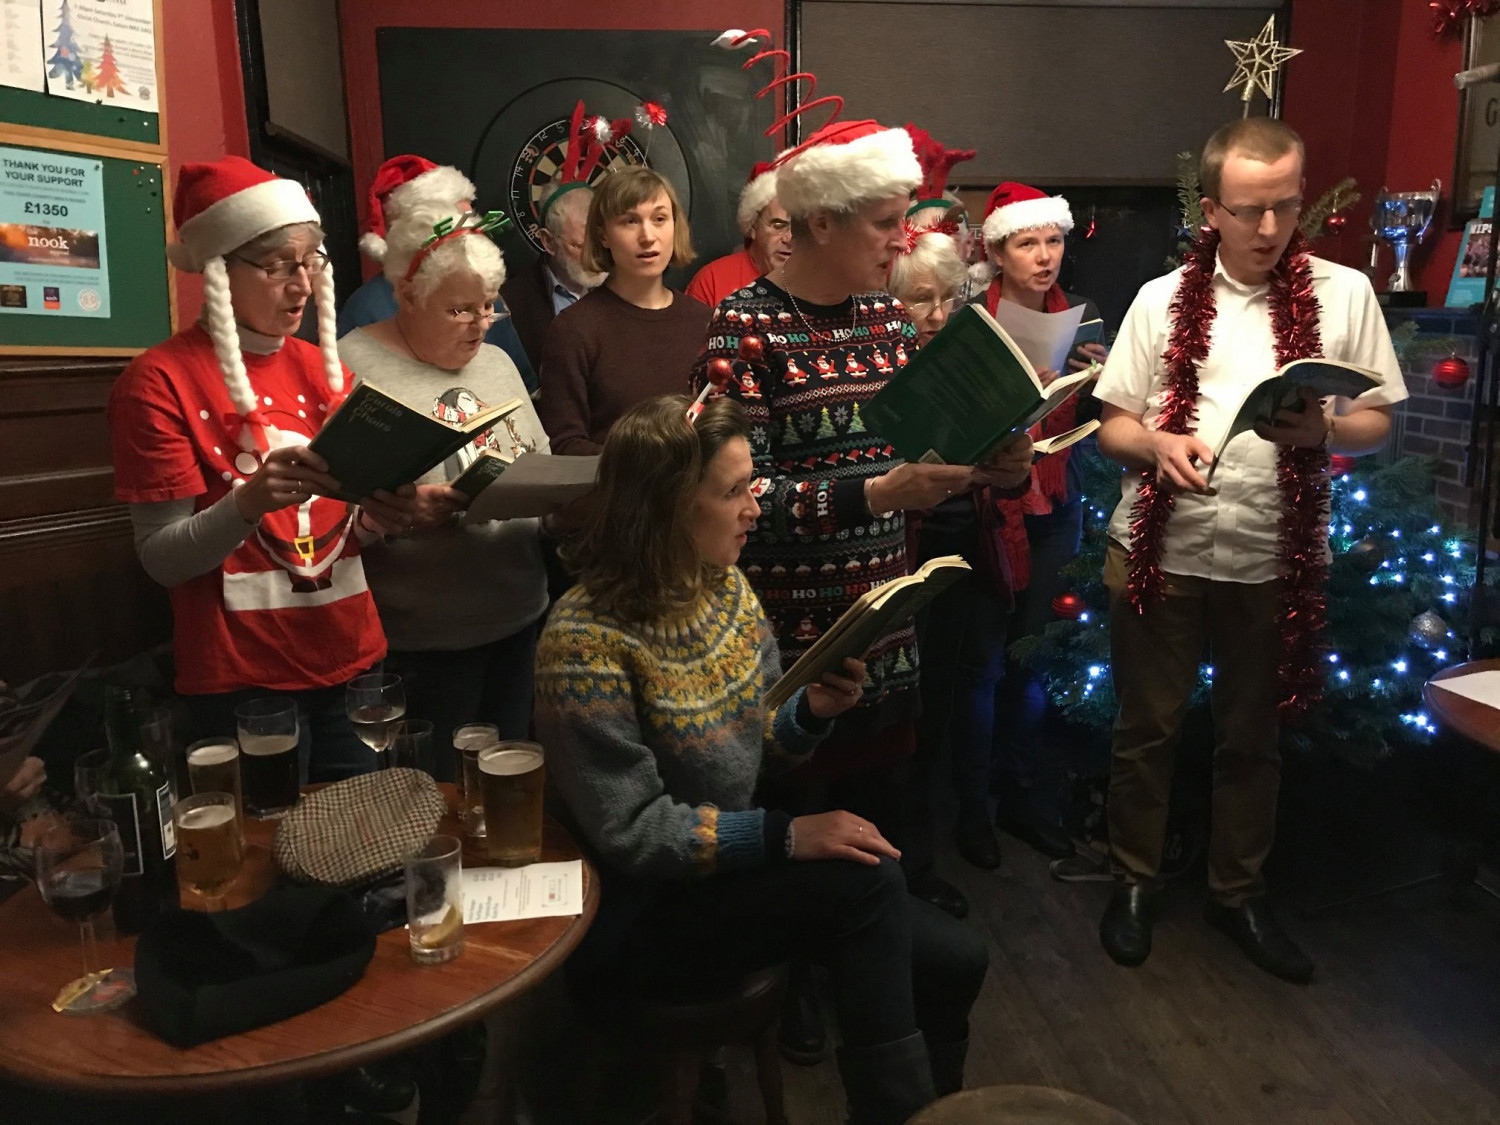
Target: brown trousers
{"x":1154,"y":661}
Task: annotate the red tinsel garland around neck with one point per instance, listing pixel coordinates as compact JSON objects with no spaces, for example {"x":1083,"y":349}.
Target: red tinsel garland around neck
{"x":1302,"y":476}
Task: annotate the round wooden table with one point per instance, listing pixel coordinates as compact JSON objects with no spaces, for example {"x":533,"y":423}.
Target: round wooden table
{"x":1018,"y":1105}
{"x":397,"y":1004}
{"x":1468,"y":717}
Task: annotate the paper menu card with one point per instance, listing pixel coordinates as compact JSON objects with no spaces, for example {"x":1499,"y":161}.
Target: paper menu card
{"x":507,"y":894}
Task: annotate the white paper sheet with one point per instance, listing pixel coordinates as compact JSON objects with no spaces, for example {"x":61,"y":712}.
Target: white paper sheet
{"x":1046,"y":339}
{"x":1481,"y":686}
{"x":101,"y":51}
{"x":541,"y":890}
{"x":21,"y":45}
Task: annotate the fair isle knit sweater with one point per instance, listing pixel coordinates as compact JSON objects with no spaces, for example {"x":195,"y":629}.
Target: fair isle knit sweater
{"x":656,"y":734}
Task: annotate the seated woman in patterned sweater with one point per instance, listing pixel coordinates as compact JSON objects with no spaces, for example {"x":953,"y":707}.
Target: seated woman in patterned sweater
{"x":649,"y":685}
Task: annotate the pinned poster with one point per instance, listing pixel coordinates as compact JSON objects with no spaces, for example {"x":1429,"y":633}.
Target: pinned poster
{"x":21,"y":45}
{"x":52,"y":246}
{"x":101,"y":51}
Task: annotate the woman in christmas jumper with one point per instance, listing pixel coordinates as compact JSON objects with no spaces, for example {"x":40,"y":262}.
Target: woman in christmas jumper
{"x":460,"y":604}
{"x":210,"y":433}
{"x":631,"y":338}
{"x":1024,"y":232}
{"x":650,"y":678}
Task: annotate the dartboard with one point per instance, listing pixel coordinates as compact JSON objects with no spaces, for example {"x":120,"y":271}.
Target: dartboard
{"x":537,"y":164}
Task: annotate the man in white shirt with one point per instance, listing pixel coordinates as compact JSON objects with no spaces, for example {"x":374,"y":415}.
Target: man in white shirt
{"x":1215,"y":558}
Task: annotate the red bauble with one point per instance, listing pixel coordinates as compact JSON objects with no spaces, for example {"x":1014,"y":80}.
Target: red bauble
{"x":1450,"y":371}
{"x":1338,"y":464}
{"x":1068,"y":606}
{"x":1335,"y":223}
{"x":752,"y":349}
{"x":720,"y":372}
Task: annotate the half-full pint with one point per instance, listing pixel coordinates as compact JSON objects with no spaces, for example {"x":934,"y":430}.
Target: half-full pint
{"x":268,"y":772}
{"x":214,"y":767}
{"x":512,"y":776}
{"x":209,"y":852}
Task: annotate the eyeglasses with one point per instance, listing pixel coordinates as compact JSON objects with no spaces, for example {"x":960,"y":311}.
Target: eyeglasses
{"x":1250,"y":215}
{"x":920,"y":309}
{"x":477,"y":316}
{"x":283,"y":268}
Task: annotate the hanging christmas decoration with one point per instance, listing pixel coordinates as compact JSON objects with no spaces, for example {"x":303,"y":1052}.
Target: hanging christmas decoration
{"x":1367,"y":554}
{"x":1328,"y":213}
{"x":752,"y":349}
{"x":1450,"y":371}
{"x":1448,"y":15}
{"x":1093,"y":224}
{"x":1068,"y":606}
{"x":648,"y":115}
{"x":1429,"y":630}
{"x":1256,"y":63}
{"x":1338,"y":464}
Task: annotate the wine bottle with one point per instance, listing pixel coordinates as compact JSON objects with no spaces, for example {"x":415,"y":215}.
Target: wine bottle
{"x":137,"y":796}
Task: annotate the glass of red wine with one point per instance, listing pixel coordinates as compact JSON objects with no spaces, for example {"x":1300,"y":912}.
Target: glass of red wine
{"x":78,"y":868}
{"x":376,"y":704}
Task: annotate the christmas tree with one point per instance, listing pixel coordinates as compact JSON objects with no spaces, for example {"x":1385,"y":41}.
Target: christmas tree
{"x":109,"y":80}
{"x":66,"y":61}
{"x":89,"y":76}
{"x":1398,"y":595}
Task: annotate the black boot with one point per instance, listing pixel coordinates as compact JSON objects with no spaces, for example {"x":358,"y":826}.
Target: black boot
{"x":885,"y":1085}
{"x":801,"y":1037}
{"x":1125,"y":929}
{"x":977,"y":843}
{"x":942,"y":894}
{"x":948,"y":1066}
{"x":1256,"y":931}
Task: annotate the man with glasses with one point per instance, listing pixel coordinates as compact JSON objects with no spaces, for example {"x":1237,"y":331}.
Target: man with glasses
{"x":767,"y":232}
{"x":557,"y":280}
{"x":1188,"y":563}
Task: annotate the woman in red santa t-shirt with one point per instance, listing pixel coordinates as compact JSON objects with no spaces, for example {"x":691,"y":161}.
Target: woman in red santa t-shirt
{"x":229,"y":506}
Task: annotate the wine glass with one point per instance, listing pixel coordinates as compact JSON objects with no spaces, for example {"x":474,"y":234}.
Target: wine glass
{"x":78,"y":868}
{"x":375,"y":703}
{"x":210,"y":851}
{"x":88,"y":775}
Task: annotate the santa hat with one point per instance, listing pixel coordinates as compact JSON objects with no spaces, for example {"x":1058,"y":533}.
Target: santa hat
{"x":845,"y":164}
{"x":756,"y":195}
{"x":1016,"y":207}
{"x":403,"y":183}
{"x":937,"y":162}
{"x":218,"y":208}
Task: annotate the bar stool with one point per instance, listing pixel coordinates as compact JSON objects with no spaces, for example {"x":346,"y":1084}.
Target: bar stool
{"x":1018,"y":1105}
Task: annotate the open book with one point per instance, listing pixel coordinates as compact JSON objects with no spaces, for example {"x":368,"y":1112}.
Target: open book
{"x":375,"y":441}
{"x":1278,"y":391}
{"x":1058,"y":442}
{"x":530,"y":485}
{"x":965,"y":393}
{"x":878,"y":612}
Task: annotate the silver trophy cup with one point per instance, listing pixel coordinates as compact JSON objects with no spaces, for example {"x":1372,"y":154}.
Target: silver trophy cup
{"x":1401,"y":218}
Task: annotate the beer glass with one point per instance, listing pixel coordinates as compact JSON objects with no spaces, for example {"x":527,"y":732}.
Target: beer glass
{"x":512,"y":775}
{"x":78,"y":869}
{"x":209,"y":847}
{"x":411,"y":745}
{"x":268,"y":734}
{"x":469,"y":740}
{"x":435,"y":901}
{"x":375,"y":703}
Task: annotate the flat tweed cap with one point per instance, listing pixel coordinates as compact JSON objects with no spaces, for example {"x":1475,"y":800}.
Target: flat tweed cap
{"x":358,"y":829}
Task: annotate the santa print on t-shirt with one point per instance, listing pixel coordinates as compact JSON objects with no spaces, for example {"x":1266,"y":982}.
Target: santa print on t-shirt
{"x":288,"y":608}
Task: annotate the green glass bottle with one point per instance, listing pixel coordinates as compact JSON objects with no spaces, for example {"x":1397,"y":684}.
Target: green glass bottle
{"x":137,"y":795}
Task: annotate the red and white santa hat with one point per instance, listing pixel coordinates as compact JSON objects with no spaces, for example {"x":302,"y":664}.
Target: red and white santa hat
{"x":1016,"y":207}
{"x":403,"y":183}
{"x":845,"y":164}
{"x":218,"y":208}
{"x":756,"y":195}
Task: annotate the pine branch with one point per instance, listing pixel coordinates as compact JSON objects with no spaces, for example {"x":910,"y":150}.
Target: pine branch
{"x":1340,"y":197}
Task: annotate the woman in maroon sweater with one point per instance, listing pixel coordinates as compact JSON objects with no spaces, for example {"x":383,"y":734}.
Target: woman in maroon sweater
{"x":632,"y":338}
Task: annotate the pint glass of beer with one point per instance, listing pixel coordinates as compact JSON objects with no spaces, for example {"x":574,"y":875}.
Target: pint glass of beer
{"x":268,"y":733}
{"x":469,"y":740}
{"x":209,"y":849}
{"x":511,"y":776}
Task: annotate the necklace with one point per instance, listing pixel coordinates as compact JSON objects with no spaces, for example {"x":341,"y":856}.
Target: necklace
{"x":813,"y":334}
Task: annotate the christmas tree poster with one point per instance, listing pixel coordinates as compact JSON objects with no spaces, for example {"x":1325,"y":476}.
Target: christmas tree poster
{"x":101,"y":51}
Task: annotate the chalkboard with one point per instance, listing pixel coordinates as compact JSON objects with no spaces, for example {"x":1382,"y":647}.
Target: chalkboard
{"x":98,"y":119}
{"x":135,"y":230}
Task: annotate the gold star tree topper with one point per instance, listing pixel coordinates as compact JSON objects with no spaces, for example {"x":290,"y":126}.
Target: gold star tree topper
{"x":1257,"y":61}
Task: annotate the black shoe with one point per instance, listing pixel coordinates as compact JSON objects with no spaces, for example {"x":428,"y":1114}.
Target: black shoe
{"x":365,"y":1089}
{"x":1125,"y":929}
{"x":1043,"y":835}
{"x":802,"y":1038}
{"x":977,"y":844}
{"x":886,"y":1085}
{"x":1255,"y":930}
{"x":941,"y":894}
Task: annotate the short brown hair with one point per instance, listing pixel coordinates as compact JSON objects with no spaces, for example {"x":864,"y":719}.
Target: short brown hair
{"x":1260,"y":138}
{"x":618,"y":194}
{"x":634,"y":552}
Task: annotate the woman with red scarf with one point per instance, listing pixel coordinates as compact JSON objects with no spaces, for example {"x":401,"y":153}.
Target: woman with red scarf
{"x":1023,"y":235}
